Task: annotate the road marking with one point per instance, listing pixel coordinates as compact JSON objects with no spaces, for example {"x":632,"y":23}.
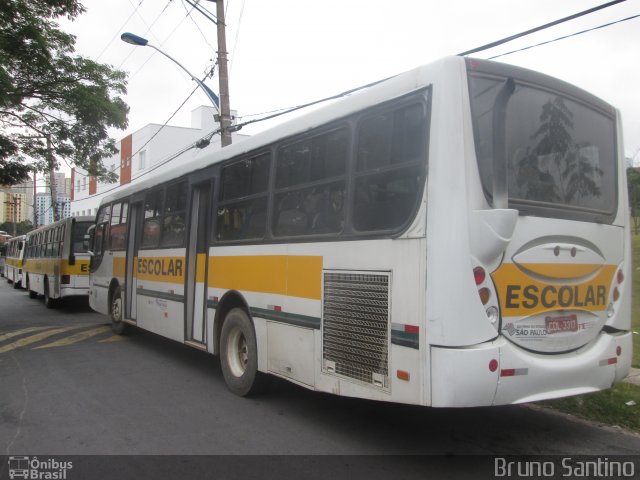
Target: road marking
{"x":15,"y":333}
{"x":75,"y":338}
{"x":23,"y":342}
{"x":113,"y":338}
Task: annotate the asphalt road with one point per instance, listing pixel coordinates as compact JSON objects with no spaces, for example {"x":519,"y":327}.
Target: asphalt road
{"x":69,"y":387}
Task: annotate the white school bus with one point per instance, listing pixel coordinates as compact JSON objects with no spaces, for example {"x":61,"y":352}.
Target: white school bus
{"x":453,"y":236}
{"x":14,"y":260}
{"x":56,"y":262}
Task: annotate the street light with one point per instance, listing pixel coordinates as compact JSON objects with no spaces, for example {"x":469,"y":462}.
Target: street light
{"x":143,"y":42}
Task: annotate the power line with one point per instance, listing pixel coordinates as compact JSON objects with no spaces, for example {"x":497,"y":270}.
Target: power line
{"x":541,"y":27}
{"x":147,"y":31}
{"x":198,"y":27}
{"x":566,"y":36}
{"x":160,"y":45}
{"x":235,"y":41}
{"x":119,"y":30}
{"x":175,"y":155}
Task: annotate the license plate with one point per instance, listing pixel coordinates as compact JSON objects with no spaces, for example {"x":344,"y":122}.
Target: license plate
{"x":567,"y":323}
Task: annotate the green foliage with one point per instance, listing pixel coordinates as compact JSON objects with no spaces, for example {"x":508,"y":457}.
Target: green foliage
{"x":21,"y":227}
{"x":609,"y":406}
{"x":53,"y":103}
{"x":633,"y":184}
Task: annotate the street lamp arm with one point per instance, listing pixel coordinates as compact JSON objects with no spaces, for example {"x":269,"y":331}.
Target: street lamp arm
{"x":143,"y":42}
{"x":212,"y":96}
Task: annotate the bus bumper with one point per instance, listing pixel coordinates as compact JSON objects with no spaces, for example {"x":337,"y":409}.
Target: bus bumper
{"x":500,"y":373}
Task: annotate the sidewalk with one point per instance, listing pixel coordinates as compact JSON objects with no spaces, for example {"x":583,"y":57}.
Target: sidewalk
{"x":634,"y":376}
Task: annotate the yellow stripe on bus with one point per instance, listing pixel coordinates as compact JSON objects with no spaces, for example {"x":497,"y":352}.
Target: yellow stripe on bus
{"x":296,"y":276}
{"x":53,"y":266}
{"x":201,"y":264}
{"x":119,"y":267}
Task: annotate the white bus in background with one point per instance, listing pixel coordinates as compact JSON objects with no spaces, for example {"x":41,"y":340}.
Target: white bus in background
{"x":56,"y":262}
{"x":14,"y":260}
{"x":454,"y":236}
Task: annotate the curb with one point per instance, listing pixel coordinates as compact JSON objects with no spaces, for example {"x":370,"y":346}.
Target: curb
{"x":634,"y":376}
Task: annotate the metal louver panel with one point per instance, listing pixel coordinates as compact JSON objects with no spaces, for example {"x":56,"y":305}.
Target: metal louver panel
{"x":355,"y":328}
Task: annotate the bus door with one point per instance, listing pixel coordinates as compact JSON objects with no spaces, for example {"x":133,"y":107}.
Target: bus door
{"x":133,"y":242}
{"x":196,"y":279}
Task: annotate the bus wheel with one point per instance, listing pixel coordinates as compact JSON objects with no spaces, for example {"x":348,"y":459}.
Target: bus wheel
{"x":16,"y":285}
{"x":117,"y":325}
{"x":32,"y":294}
{"x":239,"y":354}
{"x":48,"y":301}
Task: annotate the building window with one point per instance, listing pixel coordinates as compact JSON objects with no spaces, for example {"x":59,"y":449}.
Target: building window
{"x":142,"y":160}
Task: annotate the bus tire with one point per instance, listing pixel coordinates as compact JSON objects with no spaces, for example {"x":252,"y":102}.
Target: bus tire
{"x":115,"y":312}
{"x":32,"y":294}
{"x":16,"y":285}
{"x":239,"y":354}
{"x":48,"y":301}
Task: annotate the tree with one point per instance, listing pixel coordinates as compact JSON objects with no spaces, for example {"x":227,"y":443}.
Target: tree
{"x":633,"y":184}
{"x":54,"y":104}
{"x":21,"y":227}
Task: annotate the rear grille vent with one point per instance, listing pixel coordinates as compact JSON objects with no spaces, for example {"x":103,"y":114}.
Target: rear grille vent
{"x":355,"y":328}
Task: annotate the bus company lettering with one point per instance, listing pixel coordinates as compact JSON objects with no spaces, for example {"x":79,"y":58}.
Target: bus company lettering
{"x":550,"y":296}
{"x":160,"y":266}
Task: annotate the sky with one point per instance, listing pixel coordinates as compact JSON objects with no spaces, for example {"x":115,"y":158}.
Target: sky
{"x":284,"y":53}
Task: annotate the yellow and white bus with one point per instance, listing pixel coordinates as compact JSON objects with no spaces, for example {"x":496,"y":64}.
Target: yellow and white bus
{"x":454,"y":236}
{"x":14,"y":260}
{"x":56,"y":262}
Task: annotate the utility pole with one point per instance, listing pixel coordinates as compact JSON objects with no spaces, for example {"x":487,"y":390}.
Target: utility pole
{"x":52,"y":181}
{"x":35,"y":199}
{"x":223,"y":73}
{"x":14,"y":205}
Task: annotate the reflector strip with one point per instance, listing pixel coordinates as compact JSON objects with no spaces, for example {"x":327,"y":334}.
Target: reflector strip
{"x":402,"y":375}
{"x":513,"y":372}
{"x":411,"y":329}
{"x":608,"y":361}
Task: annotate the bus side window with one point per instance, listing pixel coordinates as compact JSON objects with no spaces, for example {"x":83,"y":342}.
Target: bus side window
{"x":320,"y":161}
{"x":118,"y":229}
{"x":151,"y":226}
{"x":174,"y":223}
{"x":242,"y":213}
{"x":389,"y":168}
{"x":98,"y":240}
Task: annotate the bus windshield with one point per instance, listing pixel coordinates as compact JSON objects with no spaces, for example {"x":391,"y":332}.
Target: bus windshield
{"x":79,"y":231}
{"x":559,"y":149}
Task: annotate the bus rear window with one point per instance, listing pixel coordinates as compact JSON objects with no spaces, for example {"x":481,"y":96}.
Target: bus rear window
{"x":560,"y":151}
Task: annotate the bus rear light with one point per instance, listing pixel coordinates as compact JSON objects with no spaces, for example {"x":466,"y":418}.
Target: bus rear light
{"x":616,"y":294}
{"x":65,"y":279}
{"x":493,"y":365}
{"x":402,"y":375}
{"x":618,"y":350}
{"x":620,"y":276}
{"x":479,"y":275}
{"x":485,"y":295}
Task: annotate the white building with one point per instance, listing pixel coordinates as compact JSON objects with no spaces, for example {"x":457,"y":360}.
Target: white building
{"x":143,"y":153}
{"x":44,"y":209}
